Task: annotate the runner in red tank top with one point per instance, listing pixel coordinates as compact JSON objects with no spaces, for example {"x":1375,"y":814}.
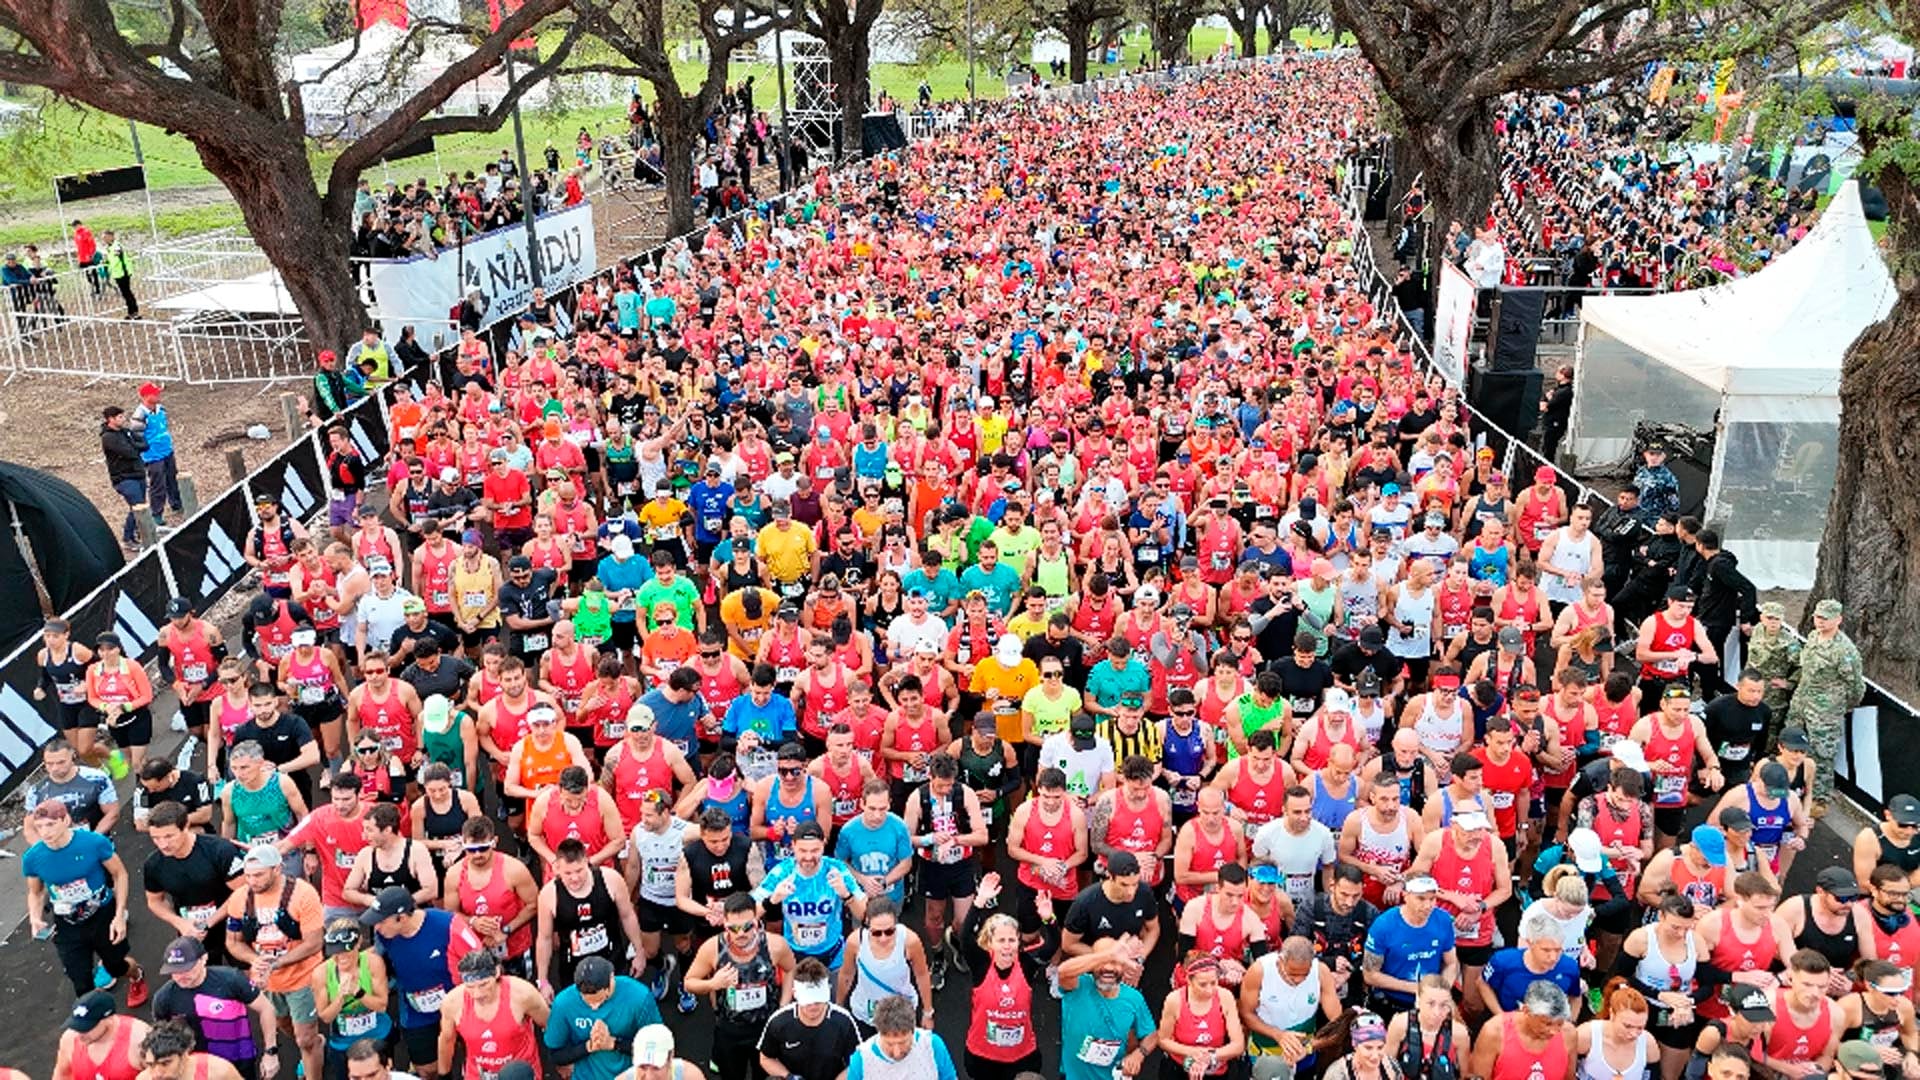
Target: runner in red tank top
{"x":844,"y":773}
{"x":644,"y":762}
{"x":1745,"y":936}
{"x":1136,"y":817}
{"x":1197,"y":853}
{"x":433,"y":571}
{"x":1048,"y":838}
{"x":495,"y":1018}
{"x":1803,"y":1021}
{"x":388,"y":709}
{"x":1673,"y":739}
{"x":1095,"y":613}
{"x":107,"y":1051}
{"x":1206,"y":1023}
{"x":566,"y":670}
{"x":723,"y":676}
{"x":494,"y":904}
{"x":1523,"y":1045}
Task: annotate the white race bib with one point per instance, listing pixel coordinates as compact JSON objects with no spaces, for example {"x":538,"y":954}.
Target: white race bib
{"x":357,"y":1025}
{"x":71,"y":896}
{"x":590,"y":940}
{"x":532,"y":642}
{"x":1099,"y":1053}
{"x":809,"y":935}
{"x":426,"y":1001}
{"x":746,"y":998}
{"x":1006,"y":1035}
{"x":312,"y":695}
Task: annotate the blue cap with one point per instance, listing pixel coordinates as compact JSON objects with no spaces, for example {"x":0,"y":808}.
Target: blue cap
{"x":1712,"y":844}
{"x":1390,"y":489}
{"x":1265,"y":873}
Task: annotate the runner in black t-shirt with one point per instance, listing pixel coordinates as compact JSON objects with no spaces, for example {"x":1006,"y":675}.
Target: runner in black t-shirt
{"x":1737,"y":726}
{"x":189,"y":877}
{"x":160,"y":782}
{"x":1113,"y":908}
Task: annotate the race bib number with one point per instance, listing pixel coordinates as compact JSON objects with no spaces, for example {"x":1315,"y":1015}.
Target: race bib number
{"x":1669,"y":667}
{"x":441,"y":598}
{"x":1099,"y":1053}
{"x":343,"y":858}
{"x":746,"y":998}
{"x":1541,"y":531}
{"x":532,"y":642}
{"x":71,"y":897}
{"x":1005,"y":1035}
{"x":786,"y":674}
{"x":809,"y":935}
{"x":986,"y":814}
{"x":710,"y":525}
{"x":426,"y":1001}
{"x":1669,"y":789}
{"x":653,"y":877}
{"x":357,"y":1025}
{"x":914,"y":775}
{"x":194,"y":673}
{"x":1502,"y":800}
{"x":792,"y":589}
{"x":1184,"y":797}
{"x":1732,"y":752}
{"x":589,"y":939}
{"x":1221,"y":561}
{"x":201,"y":917}
{"x":474,"y":600}
{"x":312,"y":695}
{"x":72,"y":693}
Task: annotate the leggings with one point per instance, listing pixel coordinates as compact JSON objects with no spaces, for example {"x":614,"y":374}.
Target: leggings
{"x":979,"y":1068}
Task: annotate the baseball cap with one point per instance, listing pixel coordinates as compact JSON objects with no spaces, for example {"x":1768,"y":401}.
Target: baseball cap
{"x":1749,"y":1001}
{"x":1585,"y":846}
{"x":261,"y":856}
{"x":1472,"y":821}
{"x":1373,"y":637}
{"x":1390,"y":489}
{"x":1773,"y":777}
{"x":1839,"y":882}
{"x":1511,"y":640}
{"x":1795,"y":738}
{"x":413,"y":605}
{"x":1123,"y":864}
{"x":1543,"y":475}
{"x":593,"y":974}
{"x":182,"y":955}
{"x":1629,"y":753}
{"x":1711,"y":843}
{"x":520,"y":562}
{"x":179,"y":607}
{"x":449,"y":475}
{"x":392,"y":900}
{"x":640,"y":717}
{"x":1736,"y":819}
{"x":1081,"y":729}
{"x":89,"y":1011}
{"x":1904,"y":809}
{"x":1337,"y":701}
{"x":1859,"y":1057}
{"x":1681,"y":592}
{"x":984,"y":722}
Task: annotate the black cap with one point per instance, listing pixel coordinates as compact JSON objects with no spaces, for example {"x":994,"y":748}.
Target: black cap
{"x":593,"y":974}
{"x":520,"y":562}
{"x":1122,"y":864}
{"x":1774,"y":779}
{"x":1080,"y":730}
{"x":1839,"y":883}
{"x":1373,"y":638}
{"x":1795,"y":738}
{"x":1736,"y":819}
{"x":810,"y":830}
{"x":179,"y":607}
{"x":393,"y":900}
{"x":182,"y":955}
{"x":1904,"y":809}
{"x":1680,"y":592}
{"x":89,"y":1011}
{"x":1749,"y":1001}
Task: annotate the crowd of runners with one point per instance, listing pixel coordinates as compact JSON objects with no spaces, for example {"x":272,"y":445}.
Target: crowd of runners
{"x":1029,"y":561}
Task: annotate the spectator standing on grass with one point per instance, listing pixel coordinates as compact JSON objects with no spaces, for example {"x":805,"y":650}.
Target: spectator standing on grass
{"x":150,"y":419}
{"x":119,"y":270}
{"x":125,"y":470}
{"x":332,"y":394}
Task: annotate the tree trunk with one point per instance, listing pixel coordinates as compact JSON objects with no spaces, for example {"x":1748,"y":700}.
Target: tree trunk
{"x":1247,"y":28}
{"x":851,"y":74}
{"x":677,"y":130}
{"x":1870,"y":554}
{"x":304,"y":237}
{"x":1079,"y":34}
{"x":1455,"y":152}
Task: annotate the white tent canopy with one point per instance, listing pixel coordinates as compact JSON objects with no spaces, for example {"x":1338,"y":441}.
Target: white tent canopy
{"x":1757,"y":361}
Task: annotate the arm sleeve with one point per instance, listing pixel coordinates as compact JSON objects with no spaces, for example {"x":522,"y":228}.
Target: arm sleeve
{"x":163,"y":659}
{"x":942,"y":1060}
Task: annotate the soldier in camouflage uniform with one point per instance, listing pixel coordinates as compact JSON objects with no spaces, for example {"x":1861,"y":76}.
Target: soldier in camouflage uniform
{"x":1775,"y":654}
{"x":1830,"y":685}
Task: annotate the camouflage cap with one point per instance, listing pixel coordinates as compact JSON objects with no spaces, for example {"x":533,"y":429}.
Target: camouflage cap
{"x":1773,"y":609}
{"x":1828,"y":609}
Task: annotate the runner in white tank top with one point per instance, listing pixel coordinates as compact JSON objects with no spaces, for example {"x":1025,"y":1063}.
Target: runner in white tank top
{"x":1569,"y":553}
{"x":1384,"y":849}
{"x":877,"y":977}
{"x":1594,"y":1064}
{"x":1415,"y":609}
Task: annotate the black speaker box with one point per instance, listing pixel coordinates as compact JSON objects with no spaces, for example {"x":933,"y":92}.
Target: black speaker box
{"x":1510,"y":399}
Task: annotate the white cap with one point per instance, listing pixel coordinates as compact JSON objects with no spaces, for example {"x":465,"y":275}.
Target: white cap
{"x":1007,"y":649}
{"x":1627,"y":752}
{"x":1472,"y":820}
{"x":1337,"y":701}
{"x":622,"y":548}
{"x":1148,"y":595}
{"x":304,"y":637}
{"x":1585,"y":845}
{"x":812,"y":993}
{"x":985,"y":403}
{"x":640,"y":716}
{"x":653,"y":1046}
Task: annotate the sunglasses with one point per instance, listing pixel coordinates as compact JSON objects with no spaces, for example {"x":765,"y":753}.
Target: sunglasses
{"x":366,"y":749}
{"x":1053,"y":674}
{"x":705,"y":655}
{"x":887,"y":933}
{"x":791,"y":771}
{"x":742,"y":928}
{"x":476,"y":849}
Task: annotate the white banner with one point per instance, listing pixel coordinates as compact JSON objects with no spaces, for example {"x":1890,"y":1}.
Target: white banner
{"x":1453,"y":323}
{"x":422,"y":292}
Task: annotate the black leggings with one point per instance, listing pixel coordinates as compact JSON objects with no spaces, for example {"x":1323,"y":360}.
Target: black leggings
{"x":736,"y":1052}
{"x":979,"y":1068}
{"x":79,"y":942}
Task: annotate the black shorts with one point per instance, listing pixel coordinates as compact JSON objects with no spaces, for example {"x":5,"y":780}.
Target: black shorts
{"x":134,"y":729}
{"x":626,"y":635}
{"x":661,"y":918}
{"x":321,"y":712}
{"x":1680,"y":1037}
{"x":1474,"y":955}
{"x":73,"y":717}
{"x":948,"y":881}
{"x":422,"y":1043}
{"x":197,"y":715}
{"x":1026,"y":908}
{"x":578,"y":572}
{"x":478,"y":639}
{"x":1669,"y":820}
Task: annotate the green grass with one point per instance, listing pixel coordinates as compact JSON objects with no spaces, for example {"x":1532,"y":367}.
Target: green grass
{"x":1877,"y":228}
{"x":180,"y":222}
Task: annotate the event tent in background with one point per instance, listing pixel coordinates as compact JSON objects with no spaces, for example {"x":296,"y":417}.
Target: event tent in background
{"x":1757,"y":362}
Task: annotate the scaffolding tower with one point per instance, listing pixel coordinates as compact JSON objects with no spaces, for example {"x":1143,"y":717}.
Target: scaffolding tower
{"x":815,"y":114}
